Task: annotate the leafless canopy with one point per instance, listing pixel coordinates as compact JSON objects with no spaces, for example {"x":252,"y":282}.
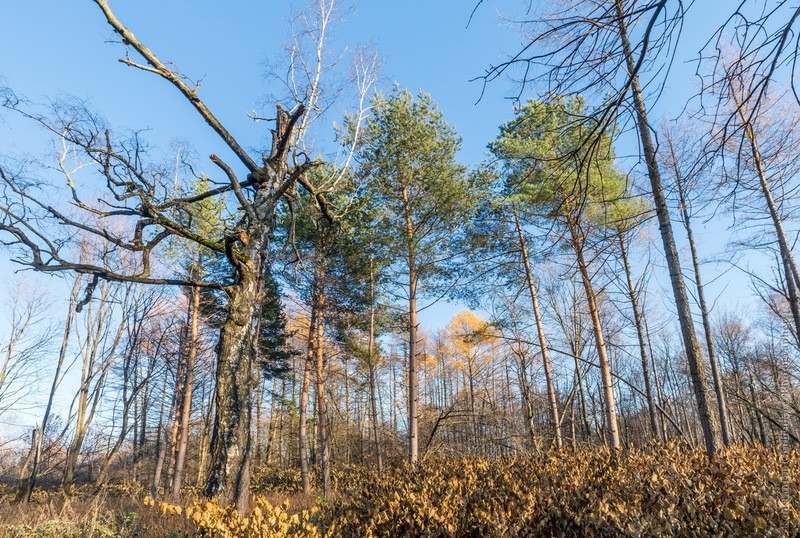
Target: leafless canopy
{"x":142,"y":205}
{"x":575,"y":50}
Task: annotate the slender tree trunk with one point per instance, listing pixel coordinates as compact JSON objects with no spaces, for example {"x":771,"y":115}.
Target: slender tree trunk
{"x":274,"y":412}
{"x":637,"y":320}
{"x":321,"y":400}
{"x":302,"y":436}
{"x":92,"y":380}
{"x":548,"y":373}
{"x":659,"y":393}
{"x":413,"y":374}
{"x":174,"y":433}
{"x":787,"y":259}
{"x":694,"y":355}
{"x":186,"y":411}
{"x":527,"y":399}
{"x":30,"y":483}
{"x":371,"y":366}
{"x":102,"y":474}
{"x":144,"y":402}
{"x":607,"y":381}
{"x":716,"y":374}
{"x":161,"y":448}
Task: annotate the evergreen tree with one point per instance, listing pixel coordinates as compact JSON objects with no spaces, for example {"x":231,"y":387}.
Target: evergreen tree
{"x":422,"y":196}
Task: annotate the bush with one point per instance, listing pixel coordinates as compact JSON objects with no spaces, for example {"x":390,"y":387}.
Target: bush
{"x":664,"y":491}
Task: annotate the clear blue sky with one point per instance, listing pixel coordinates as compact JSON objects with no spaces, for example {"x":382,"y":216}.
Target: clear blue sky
{"x":52,"y":48}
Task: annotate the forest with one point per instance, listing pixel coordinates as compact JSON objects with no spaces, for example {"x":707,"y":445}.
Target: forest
{"x":332,"y":323}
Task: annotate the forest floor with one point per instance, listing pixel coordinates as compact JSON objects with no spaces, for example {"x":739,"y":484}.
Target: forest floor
{"x":658,"y":491}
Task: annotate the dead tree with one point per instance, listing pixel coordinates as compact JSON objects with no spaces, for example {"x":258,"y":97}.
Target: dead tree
{"x":141,"y":199}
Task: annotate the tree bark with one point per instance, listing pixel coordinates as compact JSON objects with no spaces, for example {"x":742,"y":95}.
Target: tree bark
{"x":413,"y":364}
{"x":413,"y":374}
{"x":186,"y":412}
{"x":548,"y":374}
{"x":229,"y":467}
{"x":694,"y":355}
{"x":321,"y":400}
{"x":612,"y":428}
{"x":716,"y":375}
{"x":302,"y":435}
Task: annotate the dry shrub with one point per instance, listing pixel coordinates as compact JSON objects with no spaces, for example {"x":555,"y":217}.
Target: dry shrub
{"x":265,"y":520}
{"x":663,"y":491}
{"x":85,"y":515}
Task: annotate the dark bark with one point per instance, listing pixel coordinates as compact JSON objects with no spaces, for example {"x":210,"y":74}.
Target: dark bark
{"x":694,"y":355}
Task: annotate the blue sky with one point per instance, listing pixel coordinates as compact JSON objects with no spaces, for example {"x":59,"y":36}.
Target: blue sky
{"x":52,"y":48}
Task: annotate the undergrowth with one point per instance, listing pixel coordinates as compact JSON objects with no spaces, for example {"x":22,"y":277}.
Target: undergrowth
{"x":659,"y":491}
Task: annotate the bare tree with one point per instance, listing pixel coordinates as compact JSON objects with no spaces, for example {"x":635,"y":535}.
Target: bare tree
{"x":603,"y":49}
{"x":142,"y":196}
{"x":26,"y":343}
{"x":685,"y":170}
{"x":26,"y":489}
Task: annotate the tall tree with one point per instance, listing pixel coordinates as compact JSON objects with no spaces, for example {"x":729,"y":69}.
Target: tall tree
{"x":141,"y":194}
{"x":685,"y":171}
{"x":604,"y":49}
{"x":408,"y":159}
{"x":573,"y":193}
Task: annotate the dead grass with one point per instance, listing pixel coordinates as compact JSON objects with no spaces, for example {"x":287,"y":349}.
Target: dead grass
{"x":85,"y":515}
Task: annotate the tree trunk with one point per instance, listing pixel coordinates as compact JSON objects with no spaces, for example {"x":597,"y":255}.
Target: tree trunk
{"x":413,"y":374}
{"x":228,"y":477}
{"x":321,"y":400}
{"x":637,"y":320}
{"x":787,"y":259}
{"x":548,"y":374}
{"x":716,"y":375}
{"x":612,"y":427}
{"x":186,"y":414}
{"x":371,"y":366}
{"x":89,"y":394}
{"x":161,"y":444}
{"x":302,"y":436}
{"x":694,"y":355}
